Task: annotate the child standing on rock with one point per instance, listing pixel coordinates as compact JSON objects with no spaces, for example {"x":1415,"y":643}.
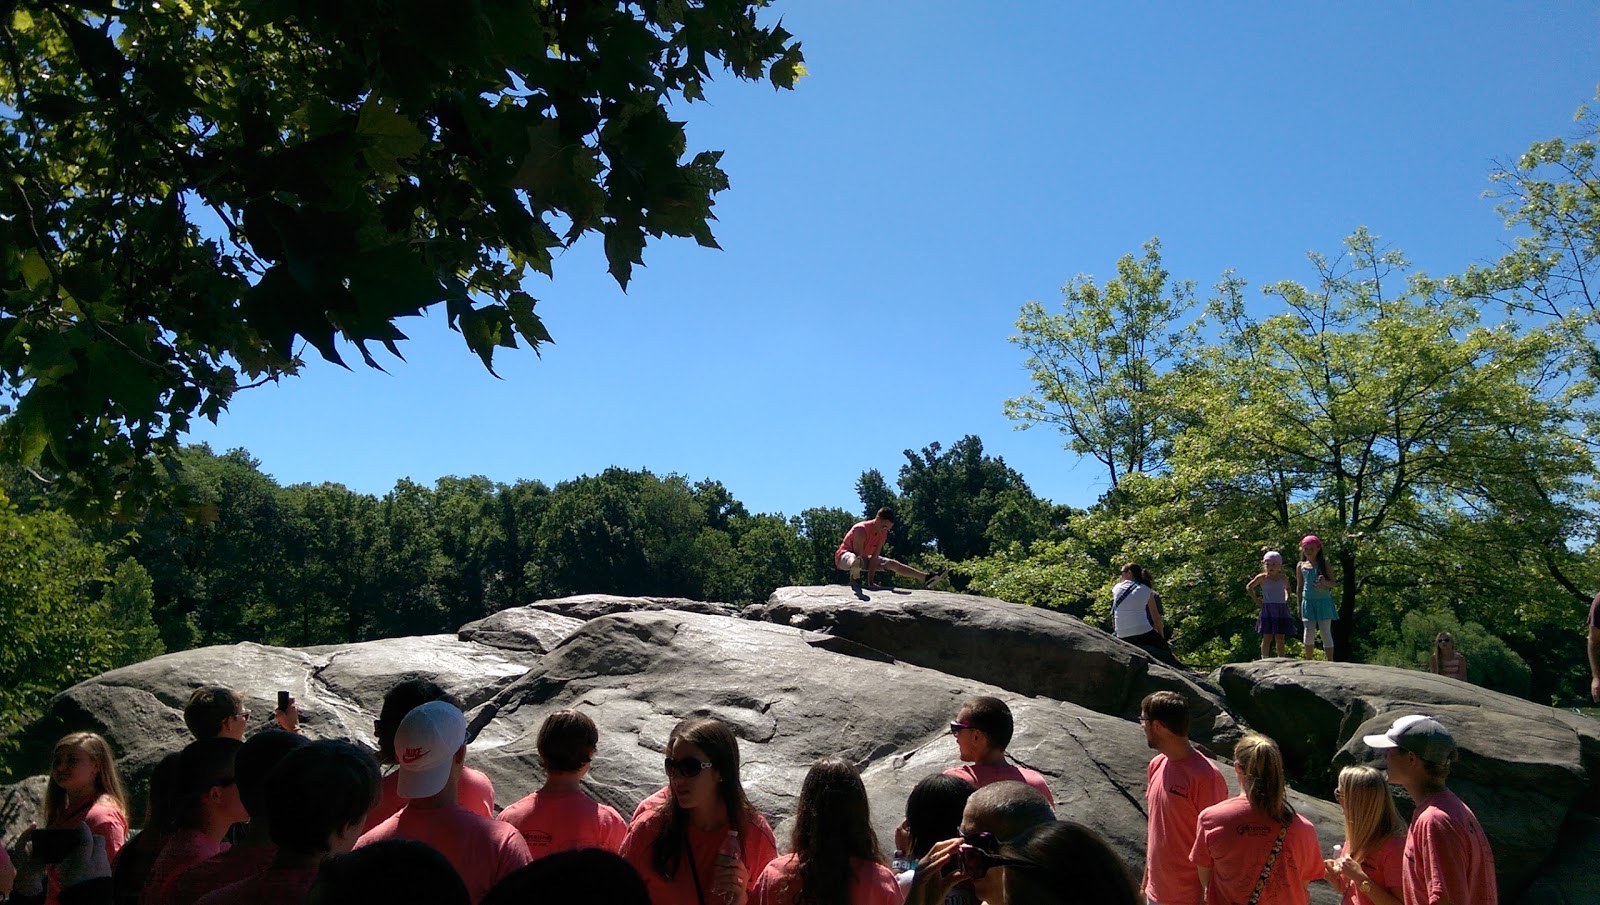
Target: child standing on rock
{"x":1270,"y":589}
{"x":1316,"y":597}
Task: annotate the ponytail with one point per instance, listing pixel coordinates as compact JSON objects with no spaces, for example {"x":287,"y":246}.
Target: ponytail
{"x":1260,"y":766}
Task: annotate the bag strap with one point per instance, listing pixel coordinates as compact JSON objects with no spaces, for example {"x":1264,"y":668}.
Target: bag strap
{"x":1266,"y":871}
{"x":700,"y":895}
{"x":1123,"y":596}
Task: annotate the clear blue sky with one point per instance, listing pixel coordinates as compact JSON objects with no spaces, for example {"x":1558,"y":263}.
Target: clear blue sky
{"x":941,"y":164}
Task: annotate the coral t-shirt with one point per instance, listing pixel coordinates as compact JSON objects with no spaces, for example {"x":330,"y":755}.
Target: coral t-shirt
{"x":105,"y":820}
{"x":557,"y":821}
{"x":1384,"y":867}
{"x":1233,"y":839}
{"x":866,"y":535}
{"x":756,"y":842}
{"x":220,"y":870}
{"x":1447,"y":855}
{"x":184,"y":849}
{"x":1176,"y":792}
{"x":981,"y":775}
{"x":474,"y":792}
{"x":649,"y":804}
{"x":482,"y":850}
{"x":871,"y":883}
{"x":275,"y":886}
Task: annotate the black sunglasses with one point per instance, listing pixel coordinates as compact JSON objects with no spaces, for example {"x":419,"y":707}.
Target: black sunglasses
{"x":975,"y":863}
{"x":687,"y":767}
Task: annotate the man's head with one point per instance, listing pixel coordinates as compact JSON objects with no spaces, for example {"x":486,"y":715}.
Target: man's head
{"x":255,"y":760}
{"x":318,"y":797}
{"x":207,"y":787}
{"x":982,"y":727}
{"x":430,"y":745}
{"x":885,"y":517}
{"x":567,"y":740}
{"x":1164,"y":716}
{"x":401,"y":700}
{"x":1418,"y":750}
{"x":215,"y":711}
{"x":1003,"y":811}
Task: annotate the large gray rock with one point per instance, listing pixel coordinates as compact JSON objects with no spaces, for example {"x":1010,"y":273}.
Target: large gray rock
{"x":523,"y":628}
{"x":1023,"y":649}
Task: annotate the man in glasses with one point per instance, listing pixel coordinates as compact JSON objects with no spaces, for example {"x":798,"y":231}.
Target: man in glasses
{"x":994,"y":815}
{"x":215,"y":711}
{"x":431,"y":747}
{"x":1180,"y":783}
{"x":982,"y":729}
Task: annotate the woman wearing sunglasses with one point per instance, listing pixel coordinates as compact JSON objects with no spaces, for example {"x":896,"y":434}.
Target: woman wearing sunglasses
{"x":1368,"y":871}
{"x":1446,"y":660}
{"x":833,"y":854}
{"x":705,"y":844}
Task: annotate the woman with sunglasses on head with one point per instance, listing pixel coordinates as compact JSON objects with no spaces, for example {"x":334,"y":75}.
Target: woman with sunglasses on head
{"x":833,"y":857}
{"x":1254,"y":847}
{"x":705,"y":844}
{"x":1368,"y":869}
{"x":1446,"y":660}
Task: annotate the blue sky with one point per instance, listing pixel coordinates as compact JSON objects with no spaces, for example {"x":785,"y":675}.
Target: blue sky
{"x":942,"y":164}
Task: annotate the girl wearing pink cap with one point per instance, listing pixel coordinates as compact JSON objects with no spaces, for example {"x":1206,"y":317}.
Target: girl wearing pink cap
{"x":1317,"y":611}
{"x":1270,"y":589}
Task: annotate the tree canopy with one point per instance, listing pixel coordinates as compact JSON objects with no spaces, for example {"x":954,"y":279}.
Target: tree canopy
{"x":199,"y":189}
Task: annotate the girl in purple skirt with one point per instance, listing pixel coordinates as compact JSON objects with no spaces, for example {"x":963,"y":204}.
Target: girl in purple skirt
{"x":1271,"y":590}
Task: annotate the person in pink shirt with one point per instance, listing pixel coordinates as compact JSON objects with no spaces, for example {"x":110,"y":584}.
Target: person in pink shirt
{"x":1447,"y":856}
{"x":677,"y":847}
{"x":982,"y":730}
{"x":1367,"y":870}
{"x":316,"y":804}
{"x":1179,"y":784}
{"x":560,"y":816}
{"x":833,"y":853}
{"x":474,"y":792}
{"x":431,"y":745}
{"x":859,"y":551}
{"x":254,"y":850}
{"x":1255,"y":847}
{"x":208,"y":805}
{"x":86,"y":788}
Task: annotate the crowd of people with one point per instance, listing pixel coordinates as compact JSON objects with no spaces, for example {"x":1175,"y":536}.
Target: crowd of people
{"x":277,"y":818}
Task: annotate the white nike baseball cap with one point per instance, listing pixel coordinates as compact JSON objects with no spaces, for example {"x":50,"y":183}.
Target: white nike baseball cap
{"x":425,"y":744}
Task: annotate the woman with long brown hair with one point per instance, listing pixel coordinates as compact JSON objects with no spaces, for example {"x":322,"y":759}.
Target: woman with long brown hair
{"x":833,"y":857}
{"x":1254,"y":848}
{"x":704,"y":844}
{"x":1368,"y":870}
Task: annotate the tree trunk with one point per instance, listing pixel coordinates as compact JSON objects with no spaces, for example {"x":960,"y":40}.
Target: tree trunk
{"x":1343,"y":627}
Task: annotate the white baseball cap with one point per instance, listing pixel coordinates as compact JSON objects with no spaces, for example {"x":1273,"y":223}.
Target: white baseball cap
{"x":425,"y":744}
{"x":1423,"y":736}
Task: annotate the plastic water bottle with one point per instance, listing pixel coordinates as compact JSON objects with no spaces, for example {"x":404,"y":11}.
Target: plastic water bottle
{"x":902,"y":863}
{"x":728,"y":860}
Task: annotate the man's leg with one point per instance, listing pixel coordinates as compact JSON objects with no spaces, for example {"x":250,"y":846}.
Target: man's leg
{"x":900,"y":568}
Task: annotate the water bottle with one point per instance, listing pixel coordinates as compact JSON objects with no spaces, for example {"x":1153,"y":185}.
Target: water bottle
{"x":902,"y":863}
{"x":728,"y":860}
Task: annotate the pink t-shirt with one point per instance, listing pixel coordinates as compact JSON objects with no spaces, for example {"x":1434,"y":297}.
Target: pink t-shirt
{"x":275,"y":886}
{"x":864,"y":535}
{"x":557,"y":821}
{"x":482,"y":850}
{"x":184,"y":849}
{"x":1176,"y":792}
{"x":981,"y":775}
{"x":105,"y":820}
{"x":1233,"y":840}
{"x":756,"y":842}
{"x":871,"y":883}
{"x":649,"y":804}
{"x":1447,"y":855}
{"x":1384,"y":867}
{"x":220,"y":870}
{"x":474,"y":792}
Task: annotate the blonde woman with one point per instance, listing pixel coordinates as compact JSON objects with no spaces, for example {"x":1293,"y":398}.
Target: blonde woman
{"x":1446,"y":660}
{"x":1369,"y":868}
{"x":1254,"y":848}
{"x":86,"y":788}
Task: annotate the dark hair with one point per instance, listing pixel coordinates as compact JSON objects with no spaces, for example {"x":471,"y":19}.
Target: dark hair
{"x":316,"y":791}
{"x":585,"y":876}
{"x":161,"y":807}
{"x":884,"y":512}
{"x":1066,"y":863}
{"x":832,"y":827}
{"x":1135,"y":569}
{"x":567,"y":740}
{"x":260,"y":753}
{"x":209,"y":707}
{"x":389,"y":872}
{"x":1167,"y":708}
{"x":203,"y":764}
{"x":721,"y":748}
{"x":992,"y":717}
{"x":933,"y":810}
{"x":401,"y":700}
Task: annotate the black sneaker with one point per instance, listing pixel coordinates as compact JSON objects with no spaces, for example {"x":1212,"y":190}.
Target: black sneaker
{"x":928,"y":583}
{"x":855,"y":585}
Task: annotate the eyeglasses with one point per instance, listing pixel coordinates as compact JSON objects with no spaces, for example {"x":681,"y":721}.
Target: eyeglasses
{"x":687,"y":767}
{"x":955,"y":727}
{"x":978,"y":855}
{"x":242,"y":715}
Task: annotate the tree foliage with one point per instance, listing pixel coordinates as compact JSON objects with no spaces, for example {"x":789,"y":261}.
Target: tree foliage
{"x":196,"y":189}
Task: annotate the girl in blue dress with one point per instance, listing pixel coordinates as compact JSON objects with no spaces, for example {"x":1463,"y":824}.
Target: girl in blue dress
{"x":1270,"y":589}
{"x":1317,"y":611}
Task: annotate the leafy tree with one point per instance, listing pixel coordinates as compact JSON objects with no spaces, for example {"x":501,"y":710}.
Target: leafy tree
{"x":1098,"y":366}
{"x":196,"y":189}
{"x":127,"y":603}
{"x":1490,"y":662}
{"x":823,"y":527}
{"x":952,"y":496}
